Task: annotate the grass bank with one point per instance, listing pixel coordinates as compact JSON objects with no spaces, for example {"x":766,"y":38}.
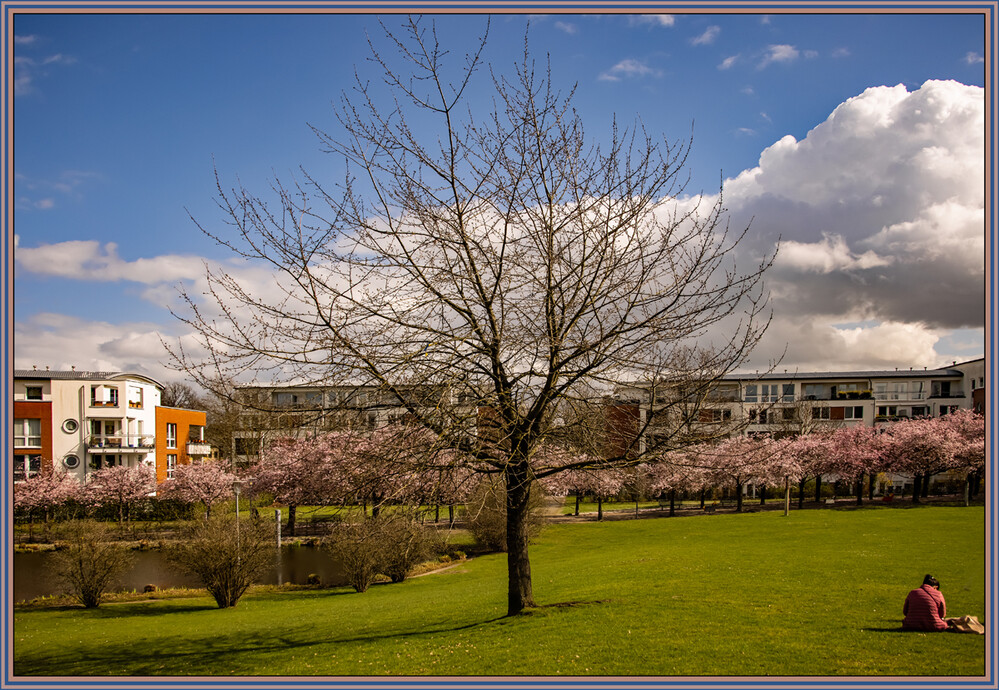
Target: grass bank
{"x":816,"y":593}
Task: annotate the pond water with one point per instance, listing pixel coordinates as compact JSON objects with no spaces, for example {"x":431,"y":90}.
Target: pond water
{"x":292,"y":565}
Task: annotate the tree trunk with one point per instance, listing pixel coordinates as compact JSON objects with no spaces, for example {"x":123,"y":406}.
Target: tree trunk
{"x":763,"y":495}
{"x":801,"y":493}
{"x":576,"y":513}
{"x":672,"y":502}
{"x":600,"y":508}
{"x":967,"y":490}
{"x":738,"y":496}
{"x":520,"y":593}
{"x":916,"y":487}
{"x":818,"y":488}
{"x":291,"y":520}
{"x":871,"y":480}
{"x":926,"y":485}
{"x":703,"y":492}
{"x":860,"y":490}
{"x":787,"y":495}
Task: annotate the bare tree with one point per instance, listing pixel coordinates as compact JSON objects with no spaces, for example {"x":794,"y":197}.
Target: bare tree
{"x":504,"y":262}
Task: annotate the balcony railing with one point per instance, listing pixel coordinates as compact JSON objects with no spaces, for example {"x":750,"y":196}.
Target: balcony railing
{"x":124,"y":442}
{"x":199,"y":448}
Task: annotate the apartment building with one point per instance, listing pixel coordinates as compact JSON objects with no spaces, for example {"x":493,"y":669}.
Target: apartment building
{"x":786,"y":402}
{"x":81,"y":421}
{"x":276,"y":412}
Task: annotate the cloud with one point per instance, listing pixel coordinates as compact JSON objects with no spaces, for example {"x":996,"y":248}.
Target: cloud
{"x":779,"y":53}
{"x":629,"y":69}
{"x":27,"y":70}
{"x":25,"y":40}
{"x":706,"y":38}
{"x":881,"y":213}
{"x":567,"y":27}
{"x":974,"y":58}
{"x":39,"y":193}
{"x":841,"y":53}
{"x":652,"y":19}
{"x":879,"y":209}
{"x":728,"y":62}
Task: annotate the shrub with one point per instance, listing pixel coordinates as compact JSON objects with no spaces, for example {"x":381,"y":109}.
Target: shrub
{"x":226,"y":555}
{"x":485,"y":514}
{"x":91,"y":562}
{"x":405,"y":544}
{"x":358,"y":547}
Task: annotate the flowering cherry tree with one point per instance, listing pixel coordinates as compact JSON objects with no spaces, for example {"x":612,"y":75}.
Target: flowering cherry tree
{"x":44,"y":492}
{"x":304,"y":471}
{"x":120,"y":486}
{"x":853,"y":452}
{"x":206,"y":483}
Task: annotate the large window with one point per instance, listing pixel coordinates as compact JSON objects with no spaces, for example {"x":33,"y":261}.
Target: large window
{"x":787,"y":392}
{"x":171,"y":466}
{"x":751,"y":393}
{"x":26,"y":466}
{"x":171,"y":435}
{"x":103,"y":396}
{"x":32,"y":392}
{"x":27,"y":433}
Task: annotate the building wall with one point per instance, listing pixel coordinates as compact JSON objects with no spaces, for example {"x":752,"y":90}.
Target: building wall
{"x":184,"y":419}
{"x":43,"y":412}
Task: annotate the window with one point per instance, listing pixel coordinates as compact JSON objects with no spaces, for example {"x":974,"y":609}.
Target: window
{"x":922,"y":411}
{"x":171,"y":466}
{"x":171,"y":434}
{"x":815,"y":391}
{"x":135,"y":397}
{"x":770,"y":392}
{"x":880,"y":391}
{"x":103,"y":396}
{"x":285,"y":399}
{"x":196,"y":433}
{"x":715,"y":416}
{"x":853,"y":412}
{"x":820,"y":413}
{"x":887,"y":411}
{"x":898,"y":391}
{"x":787,"y":392}
{"x":32,"y":392}
{"x":26,"y":466}
{"x":917,"y":390}
{"x":941,"y":389}
{"x":27,"y":433}
{"x":751,"y":394}
{"x":70,"y":426}
{"x":246,"y":446}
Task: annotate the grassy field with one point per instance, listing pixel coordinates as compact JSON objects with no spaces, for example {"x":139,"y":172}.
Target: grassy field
{"x":816,"y":593}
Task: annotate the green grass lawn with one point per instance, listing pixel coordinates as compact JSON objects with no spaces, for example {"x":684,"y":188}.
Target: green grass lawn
{"x":816,"y":593}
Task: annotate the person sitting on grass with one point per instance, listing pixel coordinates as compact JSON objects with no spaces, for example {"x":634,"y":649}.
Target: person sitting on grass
{"x":925,"y":607}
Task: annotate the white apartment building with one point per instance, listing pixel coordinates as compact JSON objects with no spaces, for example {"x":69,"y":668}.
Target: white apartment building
{"x":82,"y":421}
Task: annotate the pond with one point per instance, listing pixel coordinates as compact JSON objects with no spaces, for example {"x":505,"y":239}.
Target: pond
{"x":292,"y":565}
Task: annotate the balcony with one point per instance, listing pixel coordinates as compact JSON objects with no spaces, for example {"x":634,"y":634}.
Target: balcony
{"x":199,"y":448}
{"x":121,"y":443}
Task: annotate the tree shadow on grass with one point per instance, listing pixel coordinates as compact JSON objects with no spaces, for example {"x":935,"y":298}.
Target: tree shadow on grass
{"x":216,"y":655}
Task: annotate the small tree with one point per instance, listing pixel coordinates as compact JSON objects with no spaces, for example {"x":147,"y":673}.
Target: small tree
{"x":228,"y":556}
{"x":359,"y":548}
{"x":91,"y":561}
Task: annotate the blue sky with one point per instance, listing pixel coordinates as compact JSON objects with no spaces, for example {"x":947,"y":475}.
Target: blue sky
{"x":121,"y":120}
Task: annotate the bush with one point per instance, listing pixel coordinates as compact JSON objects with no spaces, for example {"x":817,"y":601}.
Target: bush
{"x":226,"y":555}
{"x":391,"y":545}
{"x":91,"y":562}
{"x":358,"y":547}
{"x":405,"y":544}
{"x":485,"y":514}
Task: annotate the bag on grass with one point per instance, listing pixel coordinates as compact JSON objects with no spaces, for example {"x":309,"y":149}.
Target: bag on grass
{"x":965,"y":624}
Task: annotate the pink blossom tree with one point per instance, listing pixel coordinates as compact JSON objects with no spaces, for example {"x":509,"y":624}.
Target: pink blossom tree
{"x":44,"y":492}
{"x":920,"y":448}
{"x":304,"y":471}
{"x":205,"y":483}
{"x":120,"y":486}
{"x":854,"y":452}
